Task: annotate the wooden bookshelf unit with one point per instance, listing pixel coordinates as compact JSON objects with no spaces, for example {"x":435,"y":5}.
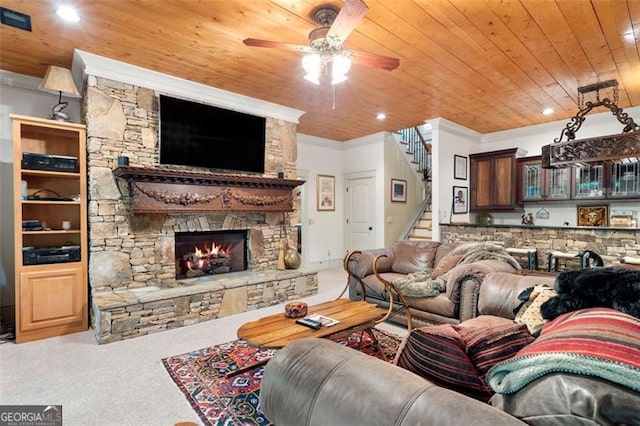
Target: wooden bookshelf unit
{"x":51,"y":296}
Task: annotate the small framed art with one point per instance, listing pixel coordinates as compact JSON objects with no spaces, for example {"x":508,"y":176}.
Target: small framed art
{"x":326,"y":188}
{"x":459,"y":167}
{"x":460,"y":199}
{"x":593,"y":215}
{"x":398,"y":191}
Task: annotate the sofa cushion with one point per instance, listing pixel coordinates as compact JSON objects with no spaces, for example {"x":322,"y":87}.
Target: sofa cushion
{"x":487,"y":346}
{"x":446,"y":264}
{"x":528,"y":313}
{"x":571,"y":399}
{"x":375,"y":287}
{"x":443,"y":250}
{"x":413,"y":256}
{"x":437,"y":353}
{"x":440,"y":305}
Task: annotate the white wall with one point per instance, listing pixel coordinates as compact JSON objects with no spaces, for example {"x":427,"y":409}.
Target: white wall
{"x":449,"y":139}
{"x":322,"y":231}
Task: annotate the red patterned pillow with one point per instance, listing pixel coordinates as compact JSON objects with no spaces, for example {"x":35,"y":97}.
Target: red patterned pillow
{"x":437,"y":354}
{"x":487,"y":346}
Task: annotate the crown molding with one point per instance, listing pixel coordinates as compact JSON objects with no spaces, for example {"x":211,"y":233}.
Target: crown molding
{"x":19,"y":81}
{"x":442,"y":124}
{"x":85,"y":64}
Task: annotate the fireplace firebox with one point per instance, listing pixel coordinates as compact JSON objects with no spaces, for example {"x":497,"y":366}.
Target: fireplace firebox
{"x":208,"y":253}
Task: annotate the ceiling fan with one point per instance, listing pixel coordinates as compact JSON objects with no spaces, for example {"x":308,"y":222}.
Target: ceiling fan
{"x":325,"y":54}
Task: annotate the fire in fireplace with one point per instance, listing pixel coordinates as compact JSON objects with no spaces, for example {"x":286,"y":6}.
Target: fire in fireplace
{"x":208,"y":253}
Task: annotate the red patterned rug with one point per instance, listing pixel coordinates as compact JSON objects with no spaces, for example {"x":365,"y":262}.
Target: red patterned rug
{"x":221,"y":398}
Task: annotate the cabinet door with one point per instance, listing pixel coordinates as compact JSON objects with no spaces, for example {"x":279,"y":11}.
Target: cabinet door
{"x":482,"y":189}
{"x":558,"y":184}
{"x":625,"y":179}
{"x":51,"y":298}
{"x":504,"y":182}
{"x":532,"y":181}
{"x":589,"y":182}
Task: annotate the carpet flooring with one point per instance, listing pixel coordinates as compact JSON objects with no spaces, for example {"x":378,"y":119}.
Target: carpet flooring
{"x":222,"y":382}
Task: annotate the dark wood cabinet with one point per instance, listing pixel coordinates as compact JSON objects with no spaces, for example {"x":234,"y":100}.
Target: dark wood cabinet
{"x":493,"y":180}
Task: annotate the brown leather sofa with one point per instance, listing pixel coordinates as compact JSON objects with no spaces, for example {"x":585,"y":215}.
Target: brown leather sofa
{"x":372,"y":273}
{"x":319,"y":382}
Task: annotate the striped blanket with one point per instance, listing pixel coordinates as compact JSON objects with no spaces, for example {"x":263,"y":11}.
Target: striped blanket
{"x":598,"y":342}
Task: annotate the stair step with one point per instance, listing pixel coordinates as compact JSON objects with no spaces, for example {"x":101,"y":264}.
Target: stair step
{"x":422,"y":232}
{"x":419,"y":237}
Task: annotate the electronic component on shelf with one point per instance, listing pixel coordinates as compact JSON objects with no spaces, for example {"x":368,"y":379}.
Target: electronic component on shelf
{"x":39,"y":256}
{"x":32,"y":225}
{"x":57,"y":163}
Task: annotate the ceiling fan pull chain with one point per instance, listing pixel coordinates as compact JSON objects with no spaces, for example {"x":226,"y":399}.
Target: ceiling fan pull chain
{"x":334,"y":96}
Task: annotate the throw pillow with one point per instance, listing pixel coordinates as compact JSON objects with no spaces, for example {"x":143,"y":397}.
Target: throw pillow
{"x":446,"y":264}
{"x":600,"y":342}
{"x":487,"y":346}
{"x":437,"y":354}
{"x":413,"y":256}
{"x":528,"y":313}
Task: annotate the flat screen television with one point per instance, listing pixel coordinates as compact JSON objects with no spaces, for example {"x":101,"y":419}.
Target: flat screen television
{"x":199,"y":135}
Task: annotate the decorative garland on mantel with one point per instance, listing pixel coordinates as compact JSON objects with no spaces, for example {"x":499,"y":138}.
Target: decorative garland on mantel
{"x":225,"y":196}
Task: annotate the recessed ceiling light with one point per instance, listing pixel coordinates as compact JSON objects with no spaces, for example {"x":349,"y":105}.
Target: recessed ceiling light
{"x":68,"y":13}
{"x":381,"y":116}
{"x":547,"y":111}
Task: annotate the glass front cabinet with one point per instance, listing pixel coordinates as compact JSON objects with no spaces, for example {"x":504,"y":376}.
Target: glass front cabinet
{"x":616,"y":180}
{"x":625,"y":179}
{"x":538,"y":184}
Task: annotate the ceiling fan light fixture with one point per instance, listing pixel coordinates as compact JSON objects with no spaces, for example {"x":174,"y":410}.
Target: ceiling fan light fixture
{"x":311,"y":65}
{"x":339,"y":67}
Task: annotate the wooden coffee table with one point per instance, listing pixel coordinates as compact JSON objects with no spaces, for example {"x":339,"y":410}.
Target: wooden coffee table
{"x":276,"y":331}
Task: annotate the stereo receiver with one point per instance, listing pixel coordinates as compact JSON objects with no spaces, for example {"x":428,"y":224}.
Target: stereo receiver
{"x":39,"y":256}
{"x":56,"y":163}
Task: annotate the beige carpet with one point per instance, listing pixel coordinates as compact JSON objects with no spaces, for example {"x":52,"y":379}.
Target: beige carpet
{"x":123,"y":383}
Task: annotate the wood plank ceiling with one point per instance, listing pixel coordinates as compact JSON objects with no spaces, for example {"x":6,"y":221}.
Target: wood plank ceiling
{"x":488,"y":65}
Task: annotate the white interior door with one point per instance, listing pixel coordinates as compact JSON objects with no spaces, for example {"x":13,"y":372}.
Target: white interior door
{"x":360,"y":203}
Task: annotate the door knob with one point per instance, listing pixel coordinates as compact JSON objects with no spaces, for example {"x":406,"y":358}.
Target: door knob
{"x":371,"y":228}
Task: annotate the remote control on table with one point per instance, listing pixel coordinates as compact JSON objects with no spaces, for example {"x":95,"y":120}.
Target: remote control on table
{"x":309,"y":323}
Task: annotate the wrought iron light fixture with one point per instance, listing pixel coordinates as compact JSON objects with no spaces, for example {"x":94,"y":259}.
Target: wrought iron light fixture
{"x":58,"y":80}
{"x":599,"y":149}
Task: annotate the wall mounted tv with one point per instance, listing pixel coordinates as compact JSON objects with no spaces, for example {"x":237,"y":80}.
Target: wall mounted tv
{"x":194,"y":134}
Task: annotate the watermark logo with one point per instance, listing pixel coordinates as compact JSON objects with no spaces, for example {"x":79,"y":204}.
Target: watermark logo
{"x":30,"y":415}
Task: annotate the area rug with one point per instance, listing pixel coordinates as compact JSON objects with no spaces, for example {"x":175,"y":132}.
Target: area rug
{"x":222,"y":382}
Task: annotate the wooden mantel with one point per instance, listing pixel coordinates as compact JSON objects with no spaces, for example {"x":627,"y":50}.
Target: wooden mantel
{"x":162,"y":189}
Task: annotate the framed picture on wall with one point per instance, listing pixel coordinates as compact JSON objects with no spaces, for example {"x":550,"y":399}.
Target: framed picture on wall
{"x":459,"y":167}
{"x":398,"y":191}
{"x":460,"y":199}
{"x":593,"y":215}
{"x":326,"y":189}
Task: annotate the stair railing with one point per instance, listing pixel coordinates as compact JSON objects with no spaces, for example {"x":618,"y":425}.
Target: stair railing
{"x":420,"y":148}
{"x":407,"y":230}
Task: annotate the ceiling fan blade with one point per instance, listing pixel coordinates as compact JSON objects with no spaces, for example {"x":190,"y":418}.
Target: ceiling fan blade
{"x":349,"y":16}
{"x":254,"y":42}
{"x":375,"y":61}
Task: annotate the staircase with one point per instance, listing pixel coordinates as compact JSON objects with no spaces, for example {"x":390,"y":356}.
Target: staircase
{"x":418,"y":149}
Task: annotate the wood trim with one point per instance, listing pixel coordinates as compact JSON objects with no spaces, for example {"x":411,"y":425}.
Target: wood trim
{"x":167,"y":190}
{"x":593,"y":150}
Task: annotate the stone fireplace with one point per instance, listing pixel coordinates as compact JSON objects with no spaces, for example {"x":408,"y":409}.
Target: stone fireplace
{"x":210,"y":253}
{"x":135,"y":286}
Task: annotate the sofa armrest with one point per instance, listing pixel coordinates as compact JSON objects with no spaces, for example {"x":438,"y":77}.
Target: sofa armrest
{"x":360,"y":264}
{"x":476,"y":270}
{"x":319,"y":382}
